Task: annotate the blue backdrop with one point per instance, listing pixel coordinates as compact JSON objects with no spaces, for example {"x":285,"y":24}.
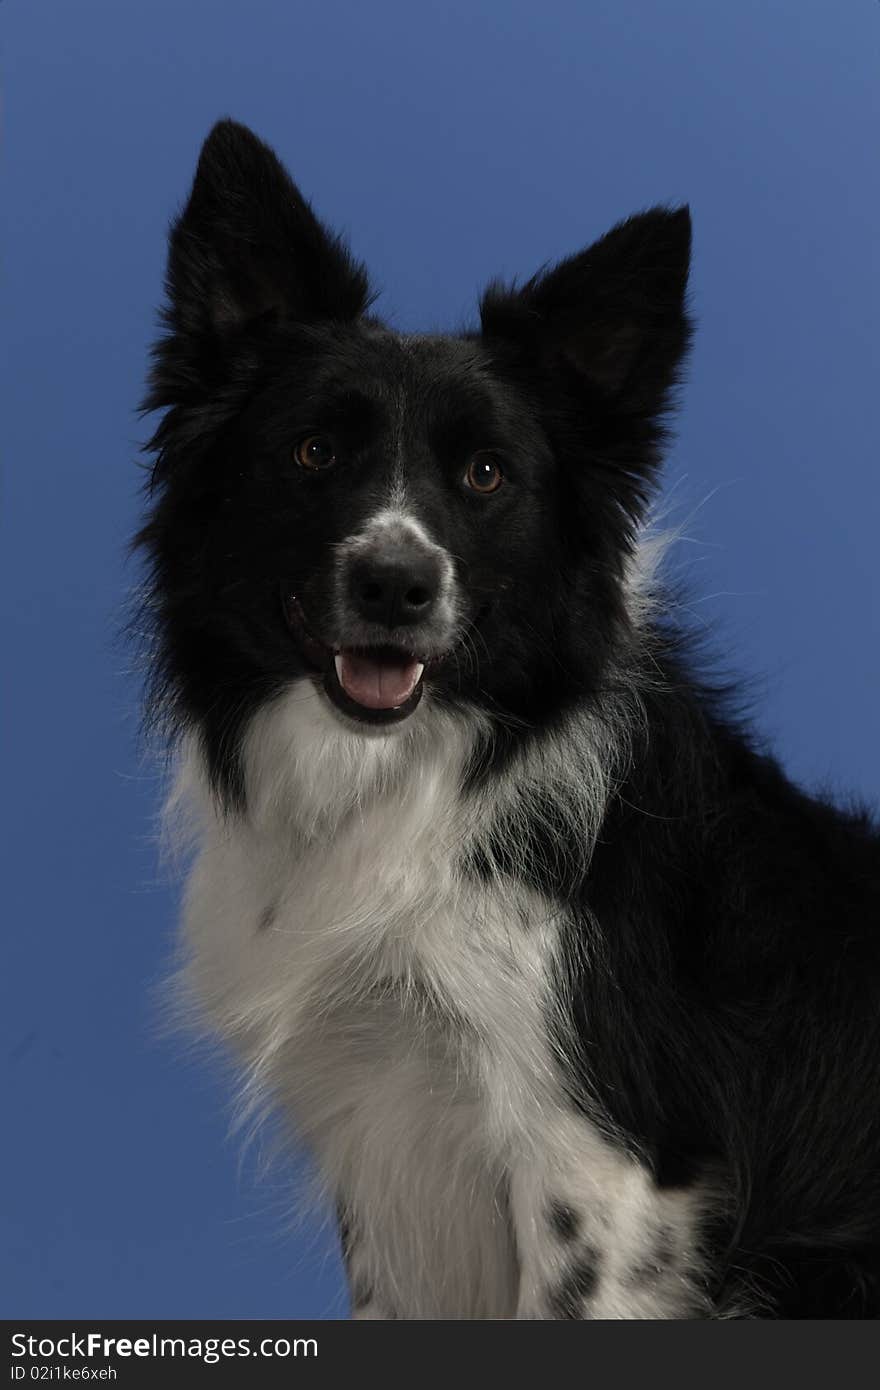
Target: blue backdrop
{"x":451,"y":141}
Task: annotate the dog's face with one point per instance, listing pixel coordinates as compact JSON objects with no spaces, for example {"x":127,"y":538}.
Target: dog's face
{"x":388,"y":508}
{"x":397,"y":521}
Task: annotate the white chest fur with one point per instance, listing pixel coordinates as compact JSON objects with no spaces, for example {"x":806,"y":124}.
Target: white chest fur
{"x":400,"y":1011}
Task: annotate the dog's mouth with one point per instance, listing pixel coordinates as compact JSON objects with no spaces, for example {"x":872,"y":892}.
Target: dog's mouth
{"x":375,"y":684}
{"x":378,"y":678}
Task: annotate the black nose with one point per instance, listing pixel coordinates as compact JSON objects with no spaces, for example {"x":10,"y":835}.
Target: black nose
{"x":395,"y":592}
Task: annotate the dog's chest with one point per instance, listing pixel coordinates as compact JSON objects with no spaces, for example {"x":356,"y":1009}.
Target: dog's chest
{"x":404,"y":1014}
{"x":375,"y":956}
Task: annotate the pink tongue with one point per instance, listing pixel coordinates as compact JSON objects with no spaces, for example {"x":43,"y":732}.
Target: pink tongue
{"x":377,"y":683}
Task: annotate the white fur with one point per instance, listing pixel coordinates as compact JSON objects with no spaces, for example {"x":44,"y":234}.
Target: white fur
{"x":397,"y":1007}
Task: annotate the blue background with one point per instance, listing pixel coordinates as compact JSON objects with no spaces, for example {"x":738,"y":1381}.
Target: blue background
{"x":451,"y":141}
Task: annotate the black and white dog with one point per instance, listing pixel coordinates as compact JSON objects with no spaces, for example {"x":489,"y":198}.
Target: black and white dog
{"x":574,"y":998}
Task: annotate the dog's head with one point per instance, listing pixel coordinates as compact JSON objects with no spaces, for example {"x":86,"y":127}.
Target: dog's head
{"x":399,"y":521}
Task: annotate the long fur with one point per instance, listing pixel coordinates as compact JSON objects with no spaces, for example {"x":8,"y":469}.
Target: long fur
{"x":572,"y":995}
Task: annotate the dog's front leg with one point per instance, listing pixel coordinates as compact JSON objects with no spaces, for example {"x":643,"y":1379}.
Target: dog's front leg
{"x":597,"y":1238}
{"x":413,"y":1264}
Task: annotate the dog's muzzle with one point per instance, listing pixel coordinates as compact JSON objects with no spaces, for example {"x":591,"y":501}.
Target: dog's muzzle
{"x":394,"y":624}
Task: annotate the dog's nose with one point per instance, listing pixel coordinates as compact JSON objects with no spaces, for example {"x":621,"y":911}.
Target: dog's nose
{"x":395,"y":592}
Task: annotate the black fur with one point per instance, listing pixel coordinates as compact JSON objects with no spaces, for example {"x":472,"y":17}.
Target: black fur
{"x":568,"y":1299}
{"x":564,"y":1221}
{"x":730,"y":1024}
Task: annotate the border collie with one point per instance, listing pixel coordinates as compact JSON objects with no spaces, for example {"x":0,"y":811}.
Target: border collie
{"x":571,"y":994}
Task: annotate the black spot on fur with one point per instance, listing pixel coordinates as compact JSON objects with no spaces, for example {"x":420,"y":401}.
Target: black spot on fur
{"x":564,"y":1220}
{"x":267,"y":917}
{"x":361,"y":1292}
{"x":346,"y":1231}
{"x":568,"y":1298}
{"x":657,"y":1262}
{"x":360,"y":1289}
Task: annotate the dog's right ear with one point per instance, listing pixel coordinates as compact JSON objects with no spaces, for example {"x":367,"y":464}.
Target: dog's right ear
{"x":246,"y":247}
{"x":614,"y":315}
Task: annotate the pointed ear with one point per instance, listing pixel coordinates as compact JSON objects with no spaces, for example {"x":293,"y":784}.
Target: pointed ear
{"x":615,"y":313}
{"x":247,"y":244}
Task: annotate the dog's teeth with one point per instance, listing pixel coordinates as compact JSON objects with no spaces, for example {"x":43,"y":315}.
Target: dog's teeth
{"x":420,"y":666}
{"x":337,"y":661}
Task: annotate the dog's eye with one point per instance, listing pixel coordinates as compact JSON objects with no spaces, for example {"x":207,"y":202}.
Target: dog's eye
{"x":484,"y":473}
{"x":314,"y":452}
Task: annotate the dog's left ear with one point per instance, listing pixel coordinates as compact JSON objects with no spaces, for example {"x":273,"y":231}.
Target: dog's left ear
{"x":247,"y":244}
{"x":245,"y":254}
{"x":614,"y":315}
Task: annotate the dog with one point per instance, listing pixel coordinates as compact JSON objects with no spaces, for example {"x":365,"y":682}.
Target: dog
{"x":572,"y":995}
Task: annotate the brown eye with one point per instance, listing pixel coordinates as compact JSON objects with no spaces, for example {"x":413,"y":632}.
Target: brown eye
{"x":314,"y":452}
{"x":484,"y":474}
